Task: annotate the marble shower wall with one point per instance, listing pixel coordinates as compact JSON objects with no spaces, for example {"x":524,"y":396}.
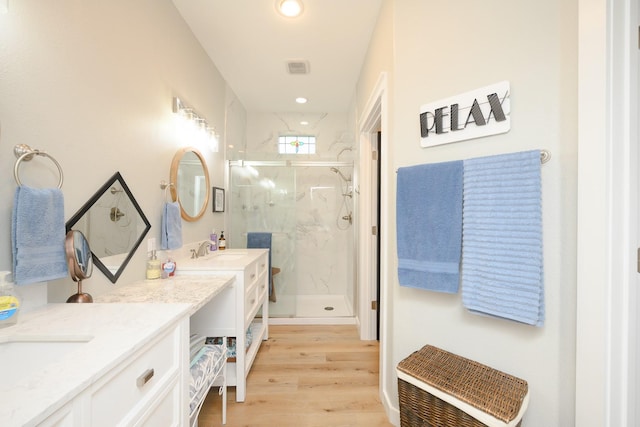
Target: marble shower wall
{"x":302,"y":206}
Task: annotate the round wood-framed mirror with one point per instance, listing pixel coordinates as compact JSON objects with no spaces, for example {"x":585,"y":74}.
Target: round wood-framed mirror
{"x":190,"y":177}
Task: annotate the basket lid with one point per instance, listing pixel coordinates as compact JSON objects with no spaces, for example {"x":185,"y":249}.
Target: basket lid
{"x":489,"y":390}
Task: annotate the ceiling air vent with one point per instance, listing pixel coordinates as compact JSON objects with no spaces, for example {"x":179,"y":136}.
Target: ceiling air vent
{"x":298,"y":67}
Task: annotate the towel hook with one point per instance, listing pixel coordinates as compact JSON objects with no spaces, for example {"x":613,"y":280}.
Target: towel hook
{"x":26,"y":153}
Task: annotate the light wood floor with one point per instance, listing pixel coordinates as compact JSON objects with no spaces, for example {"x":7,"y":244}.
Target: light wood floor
{"x":305,"y":376}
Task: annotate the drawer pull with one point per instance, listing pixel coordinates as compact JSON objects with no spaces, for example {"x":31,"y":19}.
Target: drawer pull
{"x":253,"y":276}
{"x":145,"y":377}
{"x":252,"y":301}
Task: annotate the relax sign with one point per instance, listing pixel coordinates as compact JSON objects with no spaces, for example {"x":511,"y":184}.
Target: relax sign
{"x":474,"y":114}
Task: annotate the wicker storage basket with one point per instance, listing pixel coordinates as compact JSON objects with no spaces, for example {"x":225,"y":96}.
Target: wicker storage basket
{"x":440,"y":389}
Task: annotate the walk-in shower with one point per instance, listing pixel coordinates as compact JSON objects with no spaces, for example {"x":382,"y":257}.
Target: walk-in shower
{"x":308,"y":208}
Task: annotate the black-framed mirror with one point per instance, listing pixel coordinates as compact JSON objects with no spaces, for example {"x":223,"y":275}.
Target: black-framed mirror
{"x":113,"y":224}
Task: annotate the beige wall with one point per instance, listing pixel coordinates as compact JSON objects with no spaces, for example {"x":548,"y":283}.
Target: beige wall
{"x":91,"y":83}
{"x":441,"y":49}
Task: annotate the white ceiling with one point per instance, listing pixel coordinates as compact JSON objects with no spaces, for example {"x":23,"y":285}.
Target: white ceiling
{"x":250,"y":44}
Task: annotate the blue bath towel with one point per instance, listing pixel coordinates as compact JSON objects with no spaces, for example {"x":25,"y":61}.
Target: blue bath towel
{"x":38,"y":235}
{"x":429,"y":226}
{"x":502,"y":237}
{"x":261,"y":241}
{"x":171,"y":226}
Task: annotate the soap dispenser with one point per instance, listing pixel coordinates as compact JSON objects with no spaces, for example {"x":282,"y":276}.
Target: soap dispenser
{"x":222,"y":242}
{"x":214,"y":241}
{"x":154,"y":270}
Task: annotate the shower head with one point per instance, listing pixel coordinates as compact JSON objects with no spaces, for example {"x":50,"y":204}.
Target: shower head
{"x":336,"y":170}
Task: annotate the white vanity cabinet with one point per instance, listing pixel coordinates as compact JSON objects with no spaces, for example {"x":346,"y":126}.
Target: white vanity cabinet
{"x":236,"y":308}
{"x":97,"y":365}
{"x":148,"y":389}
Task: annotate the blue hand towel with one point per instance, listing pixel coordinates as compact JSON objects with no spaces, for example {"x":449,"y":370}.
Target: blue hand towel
{"x":171,"y":226}
{"x":502,"y":237}
{"x":429,"y":226}
{"x":38,"y":235}
{"x":261,"y":241}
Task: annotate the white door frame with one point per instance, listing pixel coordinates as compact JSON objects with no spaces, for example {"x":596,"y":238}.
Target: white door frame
{"x":607,"y":214}
{"x":375,"y":114}
{"x":374,"y":117}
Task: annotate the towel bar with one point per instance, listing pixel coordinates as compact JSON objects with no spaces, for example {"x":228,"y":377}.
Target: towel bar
{"x":26,"y":153}
{"x":545,"y":156}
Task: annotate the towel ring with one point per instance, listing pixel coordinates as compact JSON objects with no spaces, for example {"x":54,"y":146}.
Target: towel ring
{"x":164,"y":186}
{"x":26,"y":153}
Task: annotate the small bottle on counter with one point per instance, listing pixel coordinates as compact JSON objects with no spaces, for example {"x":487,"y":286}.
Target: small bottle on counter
{"x":168,"y":268}
{"x":214,"y":241}
{"x":154,"y":270}
{"x":222,"y":242}
{"x":9,"y":302}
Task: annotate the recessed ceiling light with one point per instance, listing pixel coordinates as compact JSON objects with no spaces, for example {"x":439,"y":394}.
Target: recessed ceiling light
{"x":289,"y":8}
{"x":301,"y":100}
{"x":304,"y":123}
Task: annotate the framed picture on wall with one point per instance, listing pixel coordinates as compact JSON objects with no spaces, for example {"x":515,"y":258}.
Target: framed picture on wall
{"x":218,"y":199}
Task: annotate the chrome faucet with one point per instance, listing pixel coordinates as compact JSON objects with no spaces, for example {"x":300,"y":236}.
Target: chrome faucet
{"x":203,"y":249}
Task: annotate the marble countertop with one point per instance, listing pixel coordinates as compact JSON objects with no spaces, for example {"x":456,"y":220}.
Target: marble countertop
{"x":214,"y":262}
{"x":196,"y":290}
{"x":114,"y":332}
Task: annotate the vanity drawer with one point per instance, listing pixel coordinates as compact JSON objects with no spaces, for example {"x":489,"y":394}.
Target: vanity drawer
{"x":250,"y":302}
{"x":262,"y":265}
{"x":115,"y":396}
{"x":251,"y":275}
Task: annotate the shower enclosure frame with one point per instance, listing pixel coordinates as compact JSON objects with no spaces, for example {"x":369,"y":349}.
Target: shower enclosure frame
{"x":346,"y":190}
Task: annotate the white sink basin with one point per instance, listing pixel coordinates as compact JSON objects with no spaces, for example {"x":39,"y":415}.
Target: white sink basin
{"x":229,"y":256}
{"x":221,"y":256}
{"x":22,"y":355}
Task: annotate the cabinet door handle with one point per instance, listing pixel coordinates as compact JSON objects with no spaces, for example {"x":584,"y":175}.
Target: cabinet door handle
{"x":145,"y":377}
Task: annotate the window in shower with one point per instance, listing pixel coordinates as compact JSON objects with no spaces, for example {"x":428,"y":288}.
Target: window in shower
{"x":297,"y":144}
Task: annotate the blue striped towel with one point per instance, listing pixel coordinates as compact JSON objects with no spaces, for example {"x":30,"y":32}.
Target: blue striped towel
{"x":429,"y":226}
{"x":502,"y":271}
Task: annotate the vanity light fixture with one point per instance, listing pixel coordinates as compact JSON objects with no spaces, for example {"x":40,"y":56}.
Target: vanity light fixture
{"x":289,"y":8}
{"x":199,"y":124}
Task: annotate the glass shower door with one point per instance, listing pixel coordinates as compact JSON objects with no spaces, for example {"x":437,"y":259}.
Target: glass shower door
{"x":263,"y":199}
